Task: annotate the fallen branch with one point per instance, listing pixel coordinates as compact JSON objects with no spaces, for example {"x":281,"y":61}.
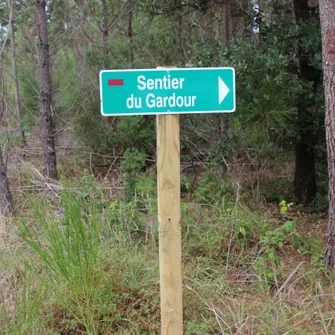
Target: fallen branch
{"x":288,"y":279}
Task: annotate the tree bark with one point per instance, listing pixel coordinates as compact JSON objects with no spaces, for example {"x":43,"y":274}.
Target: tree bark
{"x":14,"y":71}
{"x":260,"y":10}
{"x":305,"y":178}
{"x":209,"y":23}
{"x":327,"y":16}
{"x":2,"y":98}
{"x":104,"y":33}
{"x":6,"y":202}
{"x":226,"y":23}
{"x":130,"y":36}
{"x":224,"y":122}
{"x":47,"y":127}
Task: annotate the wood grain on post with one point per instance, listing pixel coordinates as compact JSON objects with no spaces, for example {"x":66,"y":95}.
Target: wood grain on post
{"x":168,"y":182}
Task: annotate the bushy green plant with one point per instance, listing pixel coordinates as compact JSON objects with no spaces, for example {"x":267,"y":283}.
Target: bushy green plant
{"x":284,"y":206}
{"x":268,"y":263}
{"x":102,"y":135}
{"x":137,"y":133}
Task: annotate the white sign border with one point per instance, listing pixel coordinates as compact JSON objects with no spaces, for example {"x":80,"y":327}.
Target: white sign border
{"x":168,"y":70}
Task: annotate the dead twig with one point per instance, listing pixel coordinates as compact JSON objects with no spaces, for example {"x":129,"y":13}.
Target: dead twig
{"x":51,"y":186}
{"x":288,"y":279}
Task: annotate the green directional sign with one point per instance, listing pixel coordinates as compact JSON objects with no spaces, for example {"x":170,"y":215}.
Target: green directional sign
{"x":167,"y":91}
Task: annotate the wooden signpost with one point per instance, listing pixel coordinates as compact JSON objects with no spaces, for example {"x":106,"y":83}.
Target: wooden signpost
{"x":169,"y":221}
{"x":168,"y":92}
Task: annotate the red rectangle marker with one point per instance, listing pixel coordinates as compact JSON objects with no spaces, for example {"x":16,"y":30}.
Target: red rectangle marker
{"x":115,"y":82}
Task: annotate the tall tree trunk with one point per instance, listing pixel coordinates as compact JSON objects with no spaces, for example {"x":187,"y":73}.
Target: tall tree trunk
{"x":6,"y":202}
{"x":226,"y":23}
{"x":104,"y":33}
{"x":2,"y":97}
{"x":209,"y":23}
{"x":327,"y":14}
{"x":224,"y":122}
{"x":14,"y":71}
{"x":305,"y":178}
{"x":260,"y":10}
{"x":47,"y":127}
{"x":130,"y":35}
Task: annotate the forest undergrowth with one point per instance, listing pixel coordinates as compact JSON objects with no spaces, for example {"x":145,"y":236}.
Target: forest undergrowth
{"x":81,"y":257}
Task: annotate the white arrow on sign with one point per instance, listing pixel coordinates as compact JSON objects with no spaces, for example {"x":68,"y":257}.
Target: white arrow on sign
{"x":223,"y":90}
